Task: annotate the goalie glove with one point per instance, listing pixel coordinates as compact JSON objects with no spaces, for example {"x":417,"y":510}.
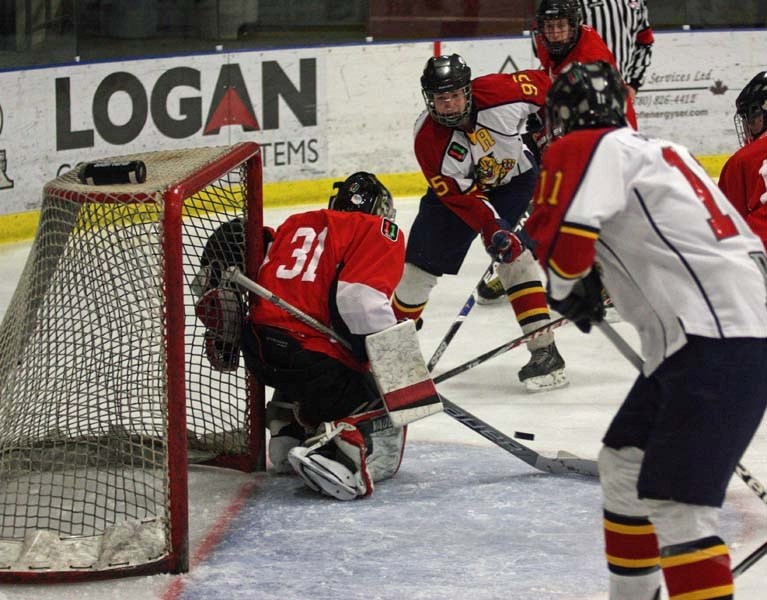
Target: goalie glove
{"x":583,"y":305}
{"x":221,"y":311}
{"x":221,"y":355}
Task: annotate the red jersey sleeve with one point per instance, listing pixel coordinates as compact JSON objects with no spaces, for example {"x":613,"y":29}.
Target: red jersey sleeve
{"x":567,"y":249}
{"x":375,"y":257}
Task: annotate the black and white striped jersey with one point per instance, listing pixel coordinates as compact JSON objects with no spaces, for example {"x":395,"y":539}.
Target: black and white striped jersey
{"x":625,"y":27}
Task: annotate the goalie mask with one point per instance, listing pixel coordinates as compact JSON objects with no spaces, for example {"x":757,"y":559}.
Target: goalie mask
{"x":446,"y":81}
{"x":751,"y":109}
{"x":362,"y":192}
{"x":559,"y":26}
{"x":586,"y":96}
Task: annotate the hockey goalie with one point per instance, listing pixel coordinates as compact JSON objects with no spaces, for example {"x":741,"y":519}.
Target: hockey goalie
{"x":332,"y":422}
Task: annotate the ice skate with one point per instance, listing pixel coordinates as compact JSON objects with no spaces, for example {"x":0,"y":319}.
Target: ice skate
{"x":544,"y":371}
{"x":491,"y":292}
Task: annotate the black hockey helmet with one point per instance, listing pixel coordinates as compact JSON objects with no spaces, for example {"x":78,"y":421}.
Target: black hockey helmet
{"x":554,"y":10}
{"x":586,"y":96}
{"x":446,"y":73}
{"x":362,"y":192}
{"x":751,"y":104}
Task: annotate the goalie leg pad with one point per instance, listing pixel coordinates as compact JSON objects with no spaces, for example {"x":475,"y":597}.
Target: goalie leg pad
{"x":388,"y":448}
{"x":285,"y":432}
{"x":355,"y":451}
{"x":325,"y":475}
{"x":334,"y":462}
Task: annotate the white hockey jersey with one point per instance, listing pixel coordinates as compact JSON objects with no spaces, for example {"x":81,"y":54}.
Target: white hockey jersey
{"x":461,"y":166}
{"x":677,"y":258}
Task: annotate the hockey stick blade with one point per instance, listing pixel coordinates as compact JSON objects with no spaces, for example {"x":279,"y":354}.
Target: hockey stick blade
{"x":564,"y":464}
{"x":497,"y":351}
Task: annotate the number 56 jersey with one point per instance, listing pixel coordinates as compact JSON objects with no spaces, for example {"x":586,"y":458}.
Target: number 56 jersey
{"x":340,"y":268}
{"x":676,"y":257}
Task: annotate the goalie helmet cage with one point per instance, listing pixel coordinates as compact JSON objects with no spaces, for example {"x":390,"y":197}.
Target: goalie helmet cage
{"x":105,"y":386}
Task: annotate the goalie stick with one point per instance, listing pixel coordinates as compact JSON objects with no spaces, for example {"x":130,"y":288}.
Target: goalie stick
{"x":753,"y":484}
{"x":564,"y":463}
{"x":407,"y":395}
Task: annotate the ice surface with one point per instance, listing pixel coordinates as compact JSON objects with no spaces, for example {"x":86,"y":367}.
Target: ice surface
{"x":462,"y":518}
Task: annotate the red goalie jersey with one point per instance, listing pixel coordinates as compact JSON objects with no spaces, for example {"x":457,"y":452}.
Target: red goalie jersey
{"x":340,"y":268}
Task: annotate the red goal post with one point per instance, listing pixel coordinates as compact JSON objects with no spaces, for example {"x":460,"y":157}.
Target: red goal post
{"x":106,"y":392}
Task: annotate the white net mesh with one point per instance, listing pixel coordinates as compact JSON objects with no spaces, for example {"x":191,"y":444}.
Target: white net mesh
{"x":83,"y":363}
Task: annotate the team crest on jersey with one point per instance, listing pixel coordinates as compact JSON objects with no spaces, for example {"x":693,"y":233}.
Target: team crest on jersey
{"x":490,"y":172}
{"x":457,"y":151}
{"x":390,"y":229}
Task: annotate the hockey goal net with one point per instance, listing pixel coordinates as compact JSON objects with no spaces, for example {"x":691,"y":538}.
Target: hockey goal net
{"x":105,"y":388}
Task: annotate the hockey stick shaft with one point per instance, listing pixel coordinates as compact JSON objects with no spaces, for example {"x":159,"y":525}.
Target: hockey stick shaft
{"x":549,"y":465}
{"x":497,"y":351}
{"x":456,"y":324}
{"x":237,"y":277}
{"x":750,"y":560}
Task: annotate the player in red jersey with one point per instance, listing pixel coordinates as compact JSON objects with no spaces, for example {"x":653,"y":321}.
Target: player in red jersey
{"x":340,"y":266}
{"x":744,"y":176}
{"x":561,"y":38}
{"x":685,"y":269}
{"x":481,"y":177}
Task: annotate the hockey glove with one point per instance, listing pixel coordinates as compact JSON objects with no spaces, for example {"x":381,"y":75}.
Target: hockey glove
{"x":534,"y":123}
{"x":583,"y":306}
{"x":504,"y":246}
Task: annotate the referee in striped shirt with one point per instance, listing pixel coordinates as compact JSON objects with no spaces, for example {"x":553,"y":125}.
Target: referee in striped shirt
{"x":625,"y":27}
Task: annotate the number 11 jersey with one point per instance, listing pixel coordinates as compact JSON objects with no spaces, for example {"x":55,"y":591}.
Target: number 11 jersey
{"x":676,"y":256}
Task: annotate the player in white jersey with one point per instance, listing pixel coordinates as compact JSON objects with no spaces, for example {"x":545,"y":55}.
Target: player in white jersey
{"x":686,"y":270}
{"x":481,"y":175}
